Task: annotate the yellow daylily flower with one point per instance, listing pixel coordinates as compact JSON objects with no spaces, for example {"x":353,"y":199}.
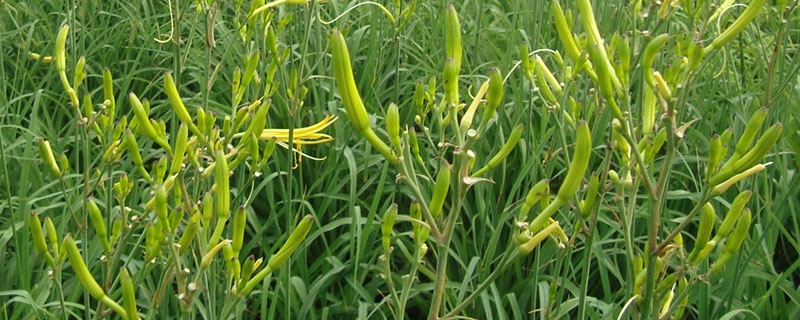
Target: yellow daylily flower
{"x":304,"y":135}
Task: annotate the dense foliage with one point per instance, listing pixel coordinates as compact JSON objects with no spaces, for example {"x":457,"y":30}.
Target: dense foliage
{"x":399,"y":159}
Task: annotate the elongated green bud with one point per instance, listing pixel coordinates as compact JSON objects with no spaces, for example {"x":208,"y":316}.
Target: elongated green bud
{"x":247,"y":271}
{"x":419,"y":97}
{"x":511,"y":143}
{"x":544,"y":88}
{"x":495,"y":94}
{"x":638,"y":281}
{"x":153,"y":238}
{"x":133,"y":150}
{"x":707,"y":219}
{"x":128,"y":294}
{"x":60,"y":55}
{"x":762,"y":147}
{"x":178,"y":107}
{"x":144,"y":122}
{"x":736,"y":238}
{"x":649,"y":56}
{"x":420,"y":229}
{"x":35,"y":226}
{"x":452,"y":35}
{"x":222,"y":181}
{"x":597,"y":44}
{"x":52,"y":235}
{"x":412,"y":138}
{"x":722,"y":187}
{"x":180,"y":149}
{"x":604,"y":79}
{"x":393,"y":125}
{"x":703,"y":254}
{"x":746,"y":140}
{"x":733,"y":215}
{"x":666,"y":283}
{"x":738,"y":25}
{"x":231,"y":262}
{"x":46,"y":152}
{"x":528,"y":246}
{"x":450,"y":79}
{"x":638,"y":264}
{"x":295,"y":240}
{"x":658,"y":142}
{"x":577,"y":168}
{"x":387,"y":223}
{"x":750,"y":130}
{"x":268,"y":150}
{"x":589,"y":202}
{"x":539,"y":191}
{"x":208,"y":210}
{"x":624,"y":52}
{"x":79,"y":73}
{"x":648,"y":110}
{"x":272,"y":40}
{"x":160,"y":170}
{"x":116,"y":229}
{"x":440,"y":190}
{"x":99,"y":224}
{"x":86,"y":279}
{"x":249,"y":70}
{"x":211,"y":254}
{"x":564,"y":32}
{"x":253,"y":148}
{"x":236,"y":81}
{"x":749,"y":159}
{"x":239,"y":224}
{"x":714,"y":155}
{"x":108,"y":94}
{"x":188,"y":235}
{"x":64,"y":163}
{"x":343,"y":74}
{"x":525,"y":60}
{"x":734,"y":241}
{"x":580,"y":161}
{"x":544,"y":72}
{"x":161,"y":206}
{"x":663,"y":88}
{"x":202,"y":120}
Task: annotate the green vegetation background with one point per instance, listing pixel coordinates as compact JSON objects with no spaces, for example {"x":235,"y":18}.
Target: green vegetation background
{"x":336,"y":275}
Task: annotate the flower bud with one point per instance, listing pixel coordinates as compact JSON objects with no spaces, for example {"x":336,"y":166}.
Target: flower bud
{"x":452,"y":34}
{"x":511,"y":143}
{"x":387,"y":223}
{"x":99,"y":224}
{"x":35,"y":226}
{"x":393,"y":125}
{"x":239,"y":224}
{"x":46,"y":152}
{"x":128,"y":294}
{"x":440,"y":190}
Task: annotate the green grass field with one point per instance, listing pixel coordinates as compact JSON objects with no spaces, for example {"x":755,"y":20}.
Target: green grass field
{"x":301,"y":159}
